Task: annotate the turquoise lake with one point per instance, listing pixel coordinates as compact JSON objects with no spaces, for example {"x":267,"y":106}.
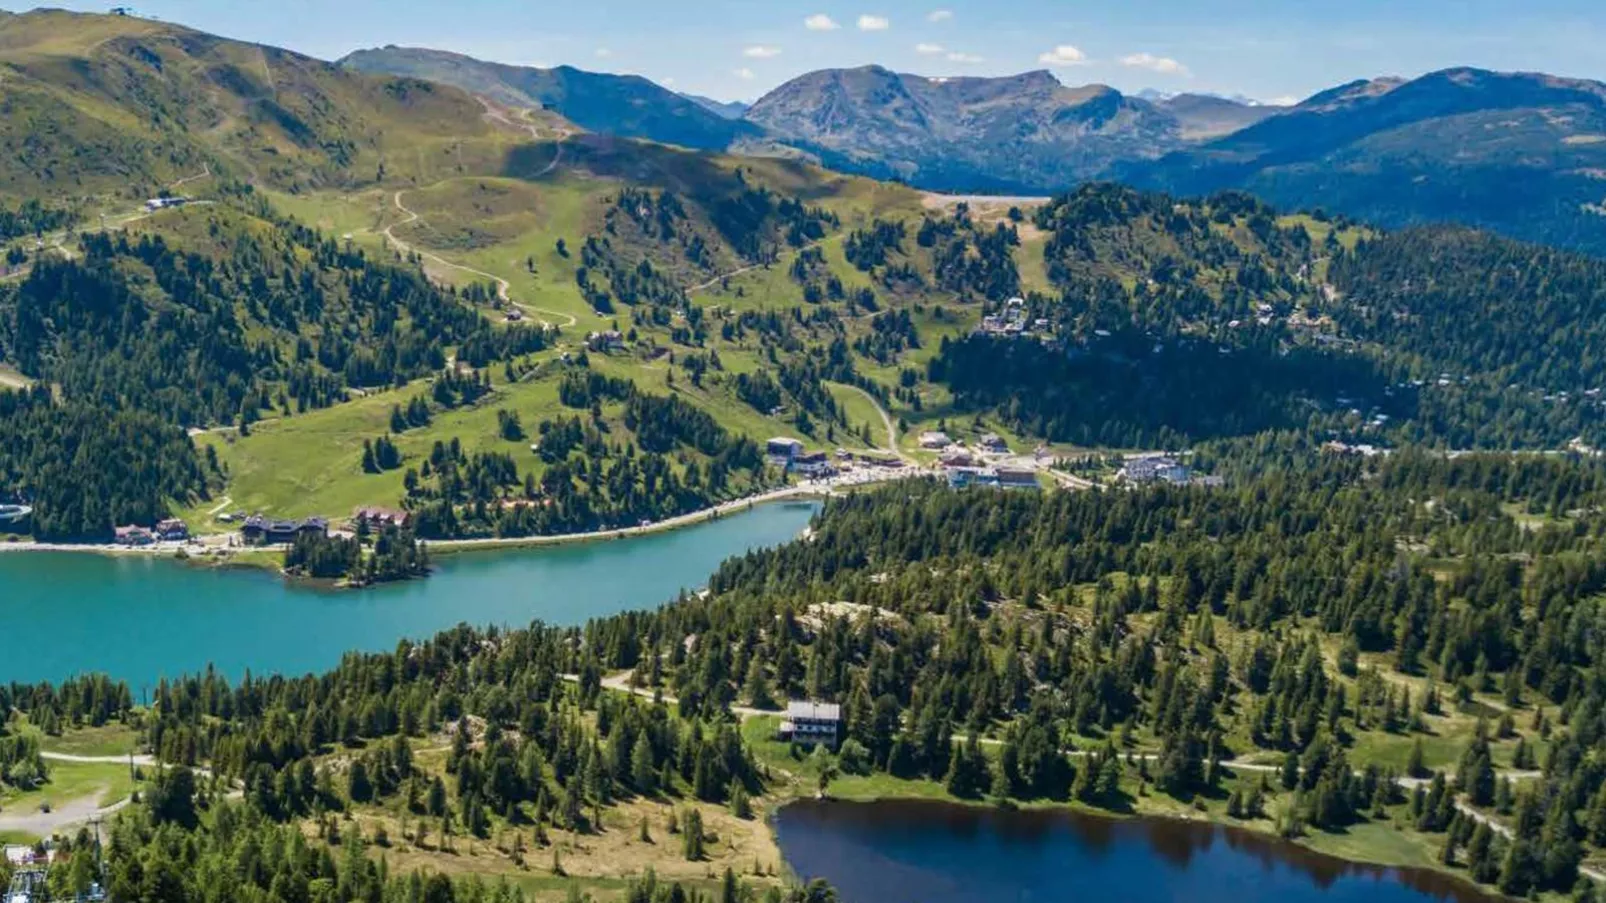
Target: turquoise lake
{"x":139,"y":618}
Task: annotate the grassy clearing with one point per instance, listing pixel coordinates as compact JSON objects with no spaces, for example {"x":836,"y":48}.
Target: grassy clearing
{"x":602,"y":861}
{"x":106,"y":783}
{"x":108,"y":740}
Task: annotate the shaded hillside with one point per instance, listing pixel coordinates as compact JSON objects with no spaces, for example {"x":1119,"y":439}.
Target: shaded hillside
{"x":1522,"y":154}
{"x":1178,"y":321}
{"x":1026,"y":133}
{"x":624,"y":105}
{"x":98,"y":104}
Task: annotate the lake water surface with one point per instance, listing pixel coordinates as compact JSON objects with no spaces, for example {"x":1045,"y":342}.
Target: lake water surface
{"x":138,"y":618}
{"x":932,"y":852}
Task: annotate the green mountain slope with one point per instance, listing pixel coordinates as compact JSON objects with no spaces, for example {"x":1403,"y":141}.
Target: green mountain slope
{"x":113,"y":104}
{"x":1522,"y":154}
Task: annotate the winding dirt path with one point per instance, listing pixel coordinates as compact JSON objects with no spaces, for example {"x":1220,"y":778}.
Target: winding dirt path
{"x":886,"y":422}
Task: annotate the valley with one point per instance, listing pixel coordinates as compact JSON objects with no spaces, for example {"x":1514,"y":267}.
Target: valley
{"x":638,"y":468}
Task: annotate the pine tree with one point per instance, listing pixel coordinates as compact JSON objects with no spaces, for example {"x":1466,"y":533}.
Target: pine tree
{"x":1416,"y":766}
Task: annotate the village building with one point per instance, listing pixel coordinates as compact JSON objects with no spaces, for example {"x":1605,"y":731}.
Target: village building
{"x":1154,"y":469}
{"x":817,"y":464}
{"x":1017,"y":478}
{"x":261,"y":531}
{"x":812,"y":723}
{"x":605,"y":341}
{"x":994,"y":443}
{"x":380,"y":517}
{"x":784,"y":447}
{"x":172,"y":530}
{"x":133,"y":536}
{"x":935,"y":439}
{"x":782,"y":451}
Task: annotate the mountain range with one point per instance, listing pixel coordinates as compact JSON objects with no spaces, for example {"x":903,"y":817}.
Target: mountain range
{"x":97,"y":104}
{"x":1520,"y":153}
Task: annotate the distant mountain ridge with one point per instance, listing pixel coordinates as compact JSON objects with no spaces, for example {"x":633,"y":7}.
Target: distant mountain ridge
{"x":624,"y":105}
{"x":1025,"y":133}
{"x":1519,"y":153}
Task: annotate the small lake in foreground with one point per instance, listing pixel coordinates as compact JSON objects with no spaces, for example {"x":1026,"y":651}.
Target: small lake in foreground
{"x":932,"y":852}
{"x":138,"y":617}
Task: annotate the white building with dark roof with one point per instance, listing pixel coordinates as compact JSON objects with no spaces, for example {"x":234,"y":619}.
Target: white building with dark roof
{"x":1154,"y":469}
{"x":817,"y":723}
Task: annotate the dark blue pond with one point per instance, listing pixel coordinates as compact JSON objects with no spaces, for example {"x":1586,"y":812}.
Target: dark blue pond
{"x":928,"y":852}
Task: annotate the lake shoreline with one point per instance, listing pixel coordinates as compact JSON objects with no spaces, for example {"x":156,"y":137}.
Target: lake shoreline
{"x":203,"y":554}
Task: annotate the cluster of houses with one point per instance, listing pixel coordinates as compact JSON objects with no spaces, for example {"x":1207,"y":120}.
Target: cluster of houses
{"x":170,"y":530}
{"x":262,"y":531}
{"x":787,"y":454}
{"x":1012,"y":322}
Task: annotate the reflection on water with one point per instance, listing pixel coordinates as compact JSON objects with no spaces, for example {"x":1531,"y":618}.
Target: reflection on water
{"x":931,"y":852}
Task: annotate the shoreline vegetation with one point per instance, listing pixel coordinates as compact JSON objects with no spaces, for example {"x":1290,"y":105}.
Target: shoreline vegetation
{"x":199,"y":552}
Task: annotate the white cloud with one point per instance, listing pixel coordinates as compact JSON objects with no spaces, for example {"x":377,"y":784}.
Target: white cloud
{"x":603,"y":53}
{"x":940,"y":15}
{"x":874,"y":23}
{"x":930,"y":49}
{"x":968,"y":59}
{"x":744,"y":73}
{"x":1287,"y":100}
{"x":667,"y":82}
{"x":1161,"y":64}
{"x":761,"y":52}
{"x":1063,"y":55}
{"x":820,"y":22}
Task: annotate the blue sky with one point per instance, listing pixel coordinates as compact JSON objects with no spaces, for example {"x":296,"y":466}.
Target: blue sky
{"x":738,"y":49}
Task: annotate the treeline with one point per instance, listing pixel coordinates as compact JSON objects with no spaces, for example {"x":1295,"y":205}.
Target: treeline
{"x":33,"y":218}
{"x":1465,"y":302}
{"x":281,"y":320}
{"x":1123,"y":393}
{"x":88,"y":465}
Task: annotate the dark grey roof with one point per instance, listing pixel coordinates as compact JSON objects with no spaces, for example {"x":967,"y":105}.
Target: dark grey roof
{"x":813,"y":711}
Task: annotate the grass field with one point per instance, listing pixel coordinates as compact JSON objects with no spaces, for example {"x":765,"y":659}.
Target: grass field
{"x":312,"y":463}
{"x":106,"y":783}
{"x":110,"y":740}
